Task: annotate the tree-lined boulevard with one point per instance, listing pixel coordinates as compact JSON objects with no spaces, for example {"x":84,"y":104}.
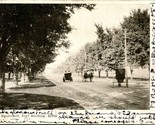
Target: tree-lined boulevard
{"x":31,"y":37}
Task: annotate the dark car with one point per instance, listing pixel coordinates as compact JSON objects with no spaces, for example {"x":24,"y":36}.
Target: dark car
{"x":67,"y":76}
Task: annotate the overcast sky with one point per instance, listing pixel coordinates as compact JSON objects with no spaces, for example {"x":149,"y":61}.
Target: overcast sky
{"x":109,"y":15}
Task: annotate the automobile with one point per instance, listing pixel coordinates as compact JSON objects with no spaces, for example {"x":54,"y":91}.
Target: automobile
{"x":67,"y":76}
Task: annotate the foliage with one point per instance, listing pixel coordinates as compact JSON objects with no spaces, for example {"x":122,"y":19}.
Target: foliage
{"x":35,"y":31}
{"x":108,"y":51}
{"x":137,"y":25}
{"x":112,"y":41}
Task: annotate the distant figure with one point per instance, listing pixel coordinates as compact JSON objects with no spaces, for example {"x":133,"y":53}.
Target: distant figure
{"x":91,"y":75}
{"x":85,"y":75}
{"x":88,"y":74}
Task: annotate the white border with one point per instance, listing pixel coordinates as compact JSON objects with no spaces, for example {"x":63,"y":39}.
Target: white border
{"x":84,"y":116}
{"x":77,"y":1}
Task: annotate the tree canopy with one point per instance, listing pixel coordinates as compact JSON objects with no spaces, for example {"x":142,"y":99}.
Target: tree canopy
{"x":137,"y":25}
{"x":30,"y":34}
{"x":35,"y":31}
{"x":108,"y":52}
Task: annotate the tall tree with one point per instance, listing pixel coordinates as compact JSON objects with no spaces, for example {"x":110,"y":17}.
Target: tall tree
{"x":112,"y":41}
{"x":105,"y":48}
{"x":137,"y":25}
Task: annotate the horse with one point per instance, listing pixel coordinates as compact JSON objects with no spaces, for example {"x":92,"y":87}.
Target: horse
{"x":88,"y":75}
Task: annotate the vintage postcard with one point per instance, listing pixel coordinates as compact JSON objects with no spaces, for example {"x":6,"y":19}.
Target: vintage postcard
{"x":77,"y":62}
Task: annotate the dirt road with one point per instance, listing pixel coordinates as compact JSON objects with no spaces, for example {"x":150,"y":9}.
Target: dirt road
{"x":99,"y":94}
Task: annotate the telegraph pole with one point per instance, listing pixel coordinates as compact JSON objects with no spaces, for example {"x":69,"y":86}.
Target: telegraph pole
{"x":125,"y":50}
{"x":85,"y":59}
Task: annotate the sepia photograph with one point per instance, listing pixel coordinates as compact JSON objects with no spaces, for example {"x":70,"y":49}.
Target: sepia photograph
{"x":75,"y":56}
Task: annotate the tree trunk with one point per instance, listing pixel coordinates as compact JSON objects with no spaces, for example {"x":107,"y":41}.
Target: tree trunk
{"x":22,"y":77}
{"x":16,"y":77}
{"x":9,"y":75}
{"x":26,"y":78}
{"x":32,"y":74}
{"x":107,"y":75}
{"x":2,"y":80}
{"x":99,"y":73}
{"x":131,"y":77}
{"x":29,"y":74}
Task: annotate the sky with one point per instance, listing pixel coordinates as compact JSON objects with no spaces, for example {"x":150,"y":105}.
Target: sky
{"x":83,"y":22}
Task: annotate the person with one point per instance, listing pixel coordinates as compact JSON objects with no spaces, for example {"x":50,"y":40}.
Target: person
{"x":91,"y":75}
{"x":85,"y":75}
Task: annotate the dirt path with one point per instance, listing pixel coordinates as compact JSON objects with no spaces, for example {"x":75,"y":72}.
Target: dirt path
{"x":99,"y":94}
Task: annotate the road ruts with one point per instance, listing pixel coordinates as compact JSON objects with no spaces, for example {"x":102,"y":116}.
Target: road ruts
{"x":101,"y":95}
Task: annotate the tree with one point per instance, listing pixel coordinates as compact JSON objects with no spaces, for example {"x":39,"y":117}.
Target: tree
{"x":76,"y":63}
{"x":137,"y":25}
{"x":112,"y":41}
{"x":79,"y":61}
{"x":105,"y":48}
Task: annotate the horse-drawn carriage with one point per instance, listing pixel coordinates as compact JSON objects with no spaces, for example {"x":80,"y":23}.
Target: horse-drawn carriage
{"x":67,"y":76}
{"x":88,"y":74}
{"x":120,"y":76}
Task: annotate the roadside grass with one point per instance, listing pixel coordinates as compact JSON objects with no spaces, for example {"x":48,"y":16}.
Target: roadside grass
{"x":35,"y":101}
{"x":38,"y":82}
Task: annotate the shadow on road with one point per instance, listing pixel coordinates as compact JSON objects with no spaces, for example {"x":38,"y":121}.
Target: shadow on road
{"x":35,"y":101}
